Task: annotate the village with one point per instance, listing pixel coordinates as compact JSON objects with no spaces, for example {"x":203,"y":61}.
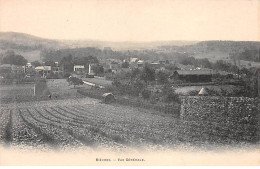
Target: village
{"x":181,"y":75}
{"x":119,"y":100}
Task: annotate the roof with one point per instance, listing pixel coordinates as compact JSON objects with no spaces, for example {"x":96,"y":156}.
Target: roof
{"x":79,"y":66}
{"x":140,"y":61}
{"x":133,"y":60}
{"x":185,"y":67}
{"x":107,"y":94}
{"x":195,"y":72}
{"x":203,"y":91}
{"x":43,"y":68}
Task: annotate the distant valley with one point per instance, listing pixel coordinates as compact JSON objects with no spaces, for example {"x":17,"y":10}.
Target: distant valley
{"x":31,"y":47}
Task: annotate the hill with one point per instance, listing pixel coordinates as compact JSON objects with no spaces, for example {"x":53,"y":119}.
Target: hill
{"x":32,"y":47}
{"x":215,"y":50}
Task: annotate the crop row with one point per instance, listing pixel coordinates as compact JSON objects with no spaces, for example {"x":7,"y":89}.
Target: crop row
{"x":5,"y":127}
{"x":24,"y":134}
{"x":84,"y":133}
{"x":125,"y":127}
{"x":52,"y":135}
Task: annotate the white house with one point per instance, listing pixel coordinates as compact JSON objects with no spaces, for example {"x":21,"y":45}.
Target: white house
{"x":78,"y":68}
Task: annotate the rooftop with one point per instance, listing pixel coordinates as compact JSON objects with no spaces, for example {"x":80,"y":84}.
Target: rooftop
{"x":195,"y":72}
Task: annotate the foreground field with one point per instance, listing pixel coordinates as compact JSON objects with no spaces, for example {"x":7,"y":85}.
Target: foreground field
{"x":86,"y":123}
{"x":83,"y":122}
{"x":70,"y":120}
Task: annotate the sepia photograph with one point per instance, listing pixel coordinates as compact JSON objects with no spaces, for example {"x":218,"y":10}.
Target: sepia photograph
{"x":130,"y":83}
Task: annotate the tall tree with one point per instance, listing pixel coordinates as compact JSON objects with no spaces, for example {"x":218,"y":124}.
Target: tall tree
{"x":14,"y":59}
{"x":98,"y":69}
{"x":147,"y":74}
{"x":67,"y":63}
{"x":50,"y":63}
{"x":36,"y":63}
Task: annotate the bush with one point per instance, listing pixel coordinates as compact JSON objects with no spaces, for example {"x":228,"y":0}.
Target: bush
{"x":169,"y":95}
{"x":66,"y":75}
{"x":75,"y":81}
{"x":146,"y":94}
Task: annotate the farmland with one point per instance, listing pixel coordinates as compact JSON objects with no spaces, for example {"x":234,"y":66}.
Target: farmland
{"x":71,"y":120}
{"x":23,"y":92}
{"x":87,"y":123}
{"x":83,"y":122}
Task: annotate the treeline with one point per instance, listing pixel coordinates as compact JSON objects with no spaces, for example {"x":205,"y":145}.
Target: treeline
{"x":218,"y":65}
{"x":57,"y":55}
{"x":247,"y":54}
{"x":10,"y":57}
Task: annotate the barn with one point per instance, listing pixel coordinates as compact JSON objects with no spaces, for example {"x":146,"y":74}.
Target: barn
{"x":193,"y":76}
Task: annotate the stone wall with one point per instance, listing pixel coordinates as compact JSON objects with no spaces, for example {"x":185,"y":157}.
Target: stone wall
{"x":220,"y":118}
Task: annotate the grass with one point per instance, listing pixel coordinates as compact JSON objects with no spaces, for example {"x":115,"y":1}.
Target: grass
{"x":23,"y":92}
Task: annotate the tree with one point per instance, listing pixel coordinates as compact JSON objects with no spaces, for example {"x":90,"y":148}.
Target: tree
{"x":50,"y":63}
{"x":146,"y":94}
{"x":75,"y":81}
{"x":162,"y":77}
{"x":98,"y":69}
{"x":85,"y":60}
{"x":171,"y":67}
{"x":169,"y":94}
{"x":135,"y":73}
{"x":67,"y":63}
{"x":187,"y":60}
{"x":147,"y":74}
{"x":125,"y":65}
{"x":14,"y":59}
{"x":221,"y":65}
{"x":36,"y":63}
{"x":204,"y":63}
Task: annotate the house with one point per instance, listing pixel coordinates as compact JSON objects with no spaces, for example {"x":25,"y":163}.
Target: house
{"x":79,"y":68}
{"x":185,"y":67}
{"x":18,"y":69}
{"x":43,"y":70}
{"x":133,"y":60}
{"x":193,"y":75}
{"x":29,"y":68}
{"x":57,"y":68}
{"x":7,"y":68}
{"x":140,"y":63}
{"x":157,"y":66}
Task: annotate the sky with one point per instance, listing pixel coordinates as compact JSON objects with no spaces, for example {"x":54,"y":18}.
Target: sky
{"x":133,"y":20}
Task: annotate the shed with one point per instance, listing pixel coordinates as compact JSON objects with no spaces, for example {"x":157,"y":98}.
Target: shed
{"x":108,"y":98}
